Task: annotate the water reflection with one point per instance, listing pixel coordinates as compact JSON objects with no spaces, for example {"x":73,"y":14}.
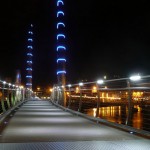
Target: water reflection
{"x":118,"y":114}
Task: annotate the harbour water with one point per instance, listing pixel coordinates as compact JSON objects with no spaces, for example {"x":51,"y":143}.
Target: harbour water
{"x":118,"y":114}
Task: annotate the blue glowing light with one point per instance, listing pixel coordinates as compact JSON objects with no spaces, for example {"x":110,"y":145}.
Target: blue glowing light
{"x":60,"y":35}
{"x":31,"y":40}
{"x":28,"y":83}
{"x":29,"y":77}
{"x":30,"y":62}
{"x":61,"y":59}
{"x":30,"y":32}
{"x":29,"y":69}
{"x":30,"y":47}
{"x":29,"y":54}
{"x":61,"y":72}
{"x":60,"y":13}
{"x":60,"y":24}
{"x":60,"y":2}
{"x":61,"y":48}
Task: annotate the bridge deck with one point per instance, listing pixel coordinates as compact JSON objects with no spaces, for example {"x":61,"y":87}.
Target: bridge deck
{"x":41,"y":125}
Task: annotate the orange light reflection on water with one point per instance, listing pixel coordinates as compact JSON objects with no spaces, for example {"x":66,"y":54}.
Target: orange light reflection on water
{"x":118,"y":114}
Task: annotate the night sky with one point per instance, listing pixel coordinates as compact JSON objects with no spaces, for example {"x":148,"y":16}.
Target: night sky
{"x":102,"y":38}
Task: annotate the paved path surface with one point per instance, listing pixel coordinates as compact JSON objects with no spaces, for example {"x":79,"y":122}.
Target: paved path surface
{"x":41,"y":125}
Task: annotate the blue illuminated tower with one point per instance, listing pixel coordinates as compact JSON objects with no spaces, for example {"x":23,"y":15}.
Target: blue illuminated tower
{"x":61,"y":49}
{"x":29,"y":58}
{"x":18,"y":78}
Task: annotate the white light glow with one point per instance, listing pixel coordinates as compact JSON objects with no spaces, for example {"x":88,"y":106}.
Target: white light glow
{"x":135,"y":78}
{"x":100,"y":82}
{"x":80,"y":84}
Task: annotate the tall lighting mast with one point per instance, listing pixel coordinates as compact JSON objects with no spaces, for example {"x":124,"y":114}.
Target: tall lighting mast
{"x":29,"y":58}
{"x":61,"y":49}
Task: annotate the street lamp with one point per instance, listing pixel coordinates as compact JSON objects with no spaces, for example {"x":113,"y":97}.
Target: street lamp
{"x":99,"y":82}
{"x":135,"y":78}
{"x":80,"y":102}
{"x":130,"y":105}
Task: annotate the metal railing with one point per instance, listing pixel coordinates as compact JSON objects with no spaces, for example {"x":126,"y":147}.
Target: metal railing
{"x":123,"y":101}
{"x":11,"y":94}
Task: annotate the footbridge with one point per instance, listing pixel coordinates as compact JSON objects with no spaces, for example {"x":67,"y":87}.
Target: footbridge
{"x":119,"y":120}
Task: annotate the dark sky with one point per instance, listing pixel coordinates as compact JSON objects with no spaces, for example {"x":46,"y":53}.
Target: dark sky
{"x":103,"y":38}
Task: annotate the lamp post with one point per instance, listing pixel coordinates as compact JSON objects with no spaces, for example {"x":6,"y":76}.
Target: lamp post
{"x":99,"y":82}
{"x":130,"y":102}
{"x":80,"y":102}
{"x":69,"y":96}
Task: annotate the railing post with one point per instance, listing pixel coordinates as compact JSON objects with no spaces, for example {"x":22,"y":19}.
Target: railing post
{"x":130,"y":104}
{"x":3,"y":98}
{"x":80,"y":102}
{"x":22,"y":93}
{"x":63,"y":96}
{"x":69,"y":103}
{"x":8,"y":102}
{"x":19,"y":94}
{"x":98,"y":100}
{"x":55,"y":94}
{"x":14,"y":96}
{"x":98,"y":96}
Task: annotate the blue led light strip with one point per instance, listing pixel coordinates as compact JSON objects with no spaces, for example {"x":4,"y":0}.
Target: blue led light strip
{"x":28,"y":76}
{"x":60,"y":2}
{"x":61,"y":47}
{"x":60,"y":24}
{"x":60,"y":13}
{"x":61,"y":72}
{"x":29,"y":58}
{"x":31,"y":40}
{"x":30,"y":62}
{"x":61,"y":59}
{"x":60,"y":35}
{"x":30,"y":47}
{"x":29,"y":84}
{"x":30,"y":69}
{"x":29,"y":54}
